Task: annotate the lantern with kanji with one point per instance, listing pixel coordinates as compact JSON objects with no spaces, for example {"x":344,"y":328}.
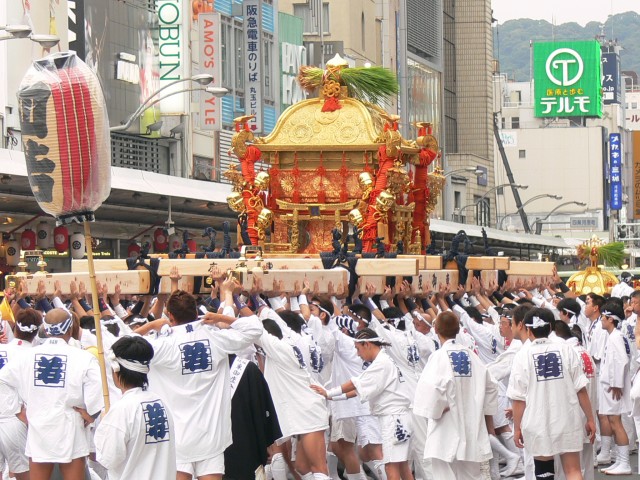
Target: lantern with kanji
{"x":133,"y":250}
{"x":160,"y":240}
{"x":44,"y":235}
{"x":28,"y":239}
{"x":175,"y":242}
{"x":77,"y":242}
{"x":61,"y":238}
{"x":12,"y":253}
{"x":65,"y":135}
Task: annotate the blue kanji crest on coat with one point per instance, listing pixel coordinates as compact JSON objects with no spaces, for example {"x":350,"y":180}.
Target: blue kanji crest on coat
{"x":196,"y":357}
{"x":413,"y":357}
{"x":402,"y":434}
{"x":460,"y":363}
{"x":3,"y":359}
{"x":494,"y":345}
{"x":299,"y":357}
{"x":156,"y":422}
{"x":626,"y":345}
{"x":548,"y":366}
{"x":317,"y":362}
{"x":631,"y":334}
{"x":50,"y":371}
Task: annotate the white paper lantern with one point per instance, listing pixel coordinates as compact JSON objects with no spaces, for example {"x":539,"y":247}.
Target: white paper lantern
{"x":175,"y":242}
{"x":13,"y":253}
{"x":77,"y":245}
{"x":45,"y":236}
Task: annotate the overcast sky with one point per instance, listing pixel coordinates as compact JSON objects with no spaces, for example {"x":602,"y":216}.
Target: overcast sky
{"x":562,"y":11}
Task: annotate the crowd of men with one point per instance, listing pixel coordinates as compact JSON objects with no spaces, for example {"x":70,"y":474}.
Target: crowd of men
{"x":523,"y":380}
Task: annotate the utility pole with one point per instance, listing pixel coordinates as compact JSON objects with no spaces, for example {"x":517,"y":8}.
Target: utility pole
{"x":507,"y":167}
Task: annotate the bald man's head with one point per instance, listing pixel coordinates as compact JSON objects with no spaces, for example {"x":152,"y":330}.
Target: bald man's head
{"x":57,"y":322}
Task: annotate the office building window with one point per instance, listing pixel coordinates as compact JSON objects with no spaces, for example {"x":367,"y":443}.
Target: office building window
{"x":309,"y":14}
{"x":515,"y":122}
{"x":267,"y":50}
{"x":239,"y":62}
{"x":522,"y":154}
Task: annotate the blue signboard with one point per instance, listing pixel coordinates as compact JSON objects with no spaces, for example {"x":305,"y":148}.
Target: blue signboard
{"x":610,"y":78}
{"x":615,"y":164}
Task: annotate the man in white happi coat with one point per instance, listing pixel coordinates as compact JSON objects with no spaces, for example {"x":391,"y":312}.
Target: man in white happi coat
{"x":190,"y":371}
{"x":53,"y":379}
{"x":615,"y":385}
{"x":547,"y":374}
{"x":13,"y":432}
{"x":455,"y":393}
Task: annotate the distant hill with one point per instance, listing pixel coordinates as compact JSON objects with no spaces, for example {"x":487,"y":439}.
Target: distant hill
{"x":511,"y":40}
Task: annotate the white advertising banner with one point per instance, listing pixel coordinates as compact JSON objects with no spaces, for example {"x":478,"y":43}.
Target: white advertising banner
{"x":210,"y":117}
{"x":252,"y":13}
{"x":172,"y":41}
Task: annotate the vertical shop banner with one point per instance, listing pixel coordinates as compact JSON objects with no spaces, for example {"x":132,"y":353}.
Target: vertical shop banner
{"x":610,"y":78}
{"x":172,"y":43}
{"x":210,"y":117}
{"x":615,"y":171}
{"x":252,"y":12}
{"x":567,"y":79}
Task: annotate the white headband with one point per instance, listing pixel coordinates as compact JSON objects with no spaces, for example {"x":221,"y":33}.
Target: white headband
{"x":133,"y":365}
{"x":537,"y":322}
{"x":374,"y":339}
{"x":58,"y":329}
{"x":109,"y":321}
{"x":28,"y":329}
{"x":609,"y":314}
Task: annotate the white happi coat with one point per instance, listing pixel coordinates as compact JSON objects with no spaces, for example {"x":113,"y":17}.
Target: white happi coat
{"x":489,"y":344}
{"x":346,"y":364}
{"x":547,"y":376}
{"x":614,"y":370}
{"x":190,"y":372}
{"x":136,"y":439}
{"x":383,"y":385}
{"x":403,"y":350}
{"x":455,"y":392}
{"x":51,"y":379}
{"x":9,"y":399}
{"x":589,"y":369}
{"x":300,"y":410}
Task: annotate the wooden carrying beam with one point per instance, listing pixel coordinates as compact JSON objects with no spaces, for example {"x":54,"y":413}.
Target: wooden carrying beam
{"x":130,"y":281}
{"x":200,"y":267}
{"x":539,"y":269}
{"x":337,"y":276}
{"x":424,"y":281}
{"x":487,"y":263}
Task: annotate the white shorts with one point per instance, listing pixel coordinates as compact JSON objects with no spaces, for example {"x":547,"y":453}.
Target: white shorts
{"x":608,"y":406}
{"x":368,"y":430}
{"x":208,"y":466}
{"x":396,"y":437}
{"x":13,"y":440}
{"x":343,"y":429}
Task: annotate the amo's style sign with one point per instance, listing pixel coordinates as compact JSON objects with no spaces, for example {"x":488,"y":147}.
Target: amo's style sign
{"x":567,"y":79}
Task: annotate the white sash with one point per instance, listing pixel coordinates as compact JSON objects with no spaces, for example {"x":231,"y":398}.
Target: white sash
{"x":237,"y":370}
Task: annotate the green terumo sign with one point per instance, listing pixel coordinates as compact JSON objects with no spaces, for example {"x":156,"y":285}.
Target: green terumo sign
{"x":567,"y":79}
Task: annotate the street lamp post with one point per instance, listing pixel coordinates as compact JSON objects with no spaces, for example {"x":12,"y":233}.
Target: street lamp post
{"x":537,"y":197}
{"x":15,"y":32}
{"x":538,"y":222}
{"x":514,"y":186}
{"x":475,"y":170}
{"x":202,"y":79}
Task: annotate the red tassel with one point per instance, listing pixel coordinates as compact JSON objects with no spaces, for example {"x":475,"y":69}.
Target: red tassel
{"x":322,"y":196}
{"x":331,"y":104}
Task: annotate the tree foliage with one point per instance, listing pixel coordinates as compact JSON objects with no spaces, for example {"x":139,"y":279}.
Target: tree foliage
{"x":511,"y":40}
